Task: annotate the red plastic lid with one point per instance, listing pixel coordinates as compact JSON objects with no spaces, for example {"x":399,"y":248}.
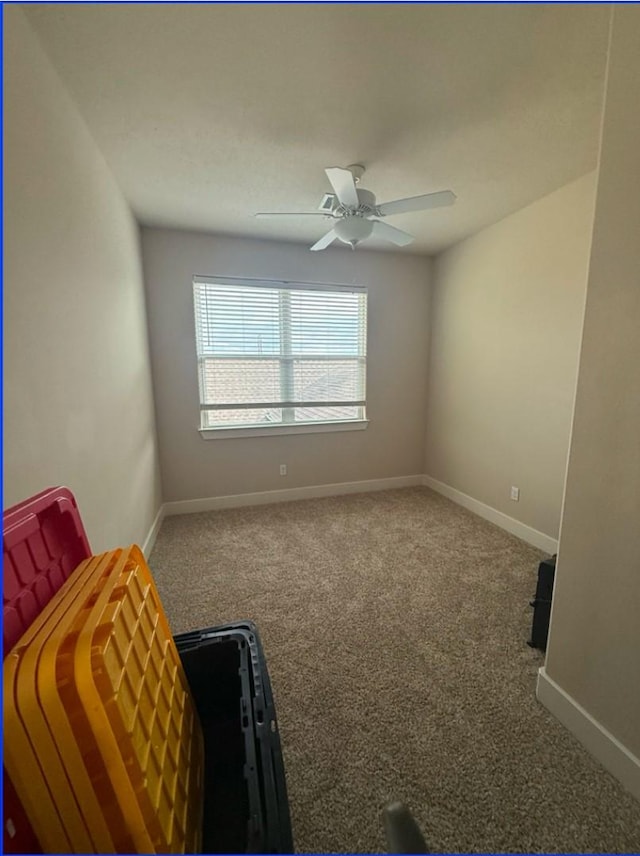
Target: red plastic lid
{"x":43,"y":542}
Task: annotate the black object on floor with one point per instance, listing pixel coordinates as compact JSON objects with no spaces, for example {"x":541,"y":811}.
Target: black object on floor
{"x":402,"y":832}
{"x":542,"y":604}
{"x":246,"y":809}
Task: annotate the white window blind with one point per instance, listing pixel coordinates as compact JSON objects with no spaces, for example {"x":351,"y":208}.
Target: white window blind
{"x":274,"y":353}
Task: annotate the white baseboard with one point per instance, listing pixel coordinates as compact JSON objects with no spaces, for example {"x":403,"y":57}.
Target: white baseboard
{"x":150,"y":540}
{"x":612,"y":754}
{"x":510,"y":524}
{"x":213,"y":503}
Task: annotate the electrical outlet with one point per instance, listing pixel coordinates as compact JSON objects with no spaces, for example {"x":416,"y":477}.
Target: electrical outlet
{"x":515,"y":494}
{"x":283,"y":469}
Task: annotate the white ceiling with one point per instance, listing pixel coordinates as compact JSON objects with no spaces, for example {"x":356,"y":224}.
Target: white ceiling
{"x":210,"y":113}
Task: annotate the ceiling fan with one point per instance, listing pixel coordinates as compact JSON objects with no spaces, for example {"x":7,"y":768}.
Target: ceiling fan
{"x":356,"y":211}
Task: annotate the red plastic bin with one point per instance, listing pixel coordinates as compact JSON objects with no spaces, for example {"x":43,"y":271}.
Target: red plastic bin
{"x":43,"y":542}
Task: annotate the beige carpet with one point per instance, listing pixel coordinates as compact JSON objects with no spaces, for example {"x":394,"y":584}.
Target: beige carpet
{"x":395,"y":627}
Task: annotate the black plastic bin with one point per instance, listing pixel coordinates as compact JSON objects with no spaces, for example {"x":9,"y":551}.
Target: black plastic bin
{"x":246,"y":809}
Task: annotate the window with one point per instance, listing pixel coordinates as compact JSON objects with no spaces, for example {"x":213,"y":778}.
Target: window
{"x":279,"y":354}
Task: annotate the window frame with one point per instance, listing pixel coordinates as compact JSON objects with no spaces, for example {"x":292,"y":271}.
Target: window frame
{"x":288,"y":425}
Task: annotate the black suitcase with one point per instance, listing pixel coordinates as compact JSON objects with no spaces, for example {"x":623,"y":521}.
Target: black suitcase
{"x":542,"y":604}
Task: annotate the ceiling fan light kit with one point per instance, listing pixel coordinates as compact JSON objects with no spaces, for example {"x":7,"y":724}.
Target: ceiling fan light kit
{"x":353,"y":228}
{"x":357,"y":213}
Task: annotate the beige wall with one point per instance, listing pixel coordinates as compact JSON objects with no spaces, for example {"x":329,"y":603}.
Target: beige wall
{"x":507,"y":313}
{"x":594,"y":645}
{"x":393,"y":443}
{"x":78,"y":405}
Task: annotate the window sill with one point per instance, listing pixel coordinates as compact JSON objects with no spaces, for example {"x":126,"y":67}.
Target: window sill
{"x":309,"y":428}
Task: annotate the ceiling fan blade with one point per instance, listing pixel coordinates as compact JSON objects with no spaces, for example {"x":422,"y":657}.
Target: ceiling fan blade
{"x":390,"y":233}
{"x":327,"y":239}
{"x":344,"y":186}
{"x":418,"y":203}
{"x":264,"y":215}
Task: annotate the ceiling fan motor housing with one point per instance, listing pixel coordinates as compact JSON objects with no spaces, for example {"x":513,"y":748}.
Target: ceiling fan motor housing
{"x":366,"y":206}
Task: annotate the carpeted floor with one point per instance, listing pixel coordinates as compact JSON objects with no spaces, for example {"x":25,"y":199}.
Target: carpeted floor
{"x":395,"y":627}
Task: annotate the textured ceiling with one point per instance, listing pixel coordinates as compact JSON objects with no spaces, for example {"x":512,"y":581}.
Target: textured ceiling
{"x":210,"y":113}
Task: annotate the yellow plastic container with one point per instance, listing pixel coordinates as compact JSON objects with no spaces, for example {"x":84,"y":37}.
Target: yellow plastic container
{"x":33,"y":762}
{"x":106,"y":707}
{"x":45,"y":677}
{"x":132,"y":686}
